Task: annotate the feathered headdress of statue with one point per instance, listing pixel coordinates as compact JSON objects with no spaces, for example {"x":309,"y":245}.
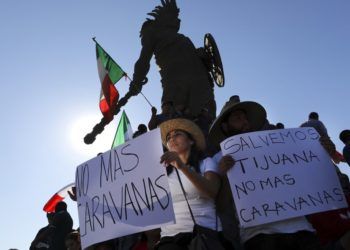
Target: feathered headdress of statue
{"x":165,"y":15}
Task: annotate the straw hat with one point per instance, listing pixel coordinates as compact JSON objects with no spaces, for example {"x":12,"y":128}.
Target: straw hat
{"x":256,"y":116}
{"x":185,"y":125}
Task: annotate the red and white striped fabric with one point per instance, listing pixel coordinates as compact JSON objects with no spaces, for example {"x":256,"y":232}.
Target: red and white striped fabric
{"x":57,"y":197}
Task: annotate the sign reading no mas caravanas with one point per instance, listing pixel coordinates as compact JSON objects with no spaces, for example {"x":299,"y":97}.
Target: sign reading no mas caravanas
{"x":281,"y":174}
{"x":123,"y":191}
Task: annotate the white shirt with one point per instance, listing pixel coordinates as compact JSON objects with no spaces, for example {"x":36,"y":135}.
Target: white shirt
{"x":203,"y":208}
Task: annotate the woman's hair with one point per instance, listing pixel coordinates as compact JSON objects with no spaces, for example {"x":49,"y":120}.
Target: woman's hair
{"x":194,"y":158}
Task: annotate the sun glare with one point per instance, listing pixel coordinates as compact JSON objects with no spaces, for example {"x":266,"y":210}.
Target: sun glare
{"x":83,"y":125}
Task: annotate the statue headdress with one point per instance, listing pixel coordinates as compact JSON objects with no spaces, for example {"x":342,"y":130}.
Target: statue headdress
{"x":165,"y":15}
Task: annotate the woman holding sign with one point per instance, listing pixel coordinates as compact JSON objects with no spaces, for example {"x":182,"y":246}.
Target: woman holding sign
{"x":194,"y":183}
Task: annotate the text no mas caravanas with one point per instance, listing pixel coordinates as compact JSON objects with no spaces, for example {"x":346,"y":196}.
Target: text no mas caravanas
{"x":132,"y":199}
{"x":293,"y":204}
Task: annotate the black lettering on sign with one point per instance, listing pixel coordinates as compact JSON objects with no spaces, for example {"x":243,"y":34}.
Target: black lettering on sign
{"x":119,"y":213}
{"x":242,"y":217}
{"x":284,"y":135}
{"x":314,"y":135}
{"x":312,"y":155}
{"x":95,"y":204}
{"x":164,"y":190}
{"x":241,"y":164}
{"x":138,"y":195}
{"x":82,"y":180}
{"x":300,"y":135}
{"x":118,"y":165}
{"x":274,"y":138}
{"x":106,"y":169}
{"x":338,"y":193}
{"x":128,"y":201}
{"x":234,"y":148}
{"x":106,"y":209}
{"x":315,"y":200}
{"x":132,"y":158}
{"x":87,"y":219}
{"x":251,"y":142}
{"x":327,"y":196}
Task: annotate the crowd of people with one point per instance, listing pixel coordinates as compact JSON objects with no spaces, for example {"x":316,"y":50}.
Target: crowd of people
{"x":202,"y":198}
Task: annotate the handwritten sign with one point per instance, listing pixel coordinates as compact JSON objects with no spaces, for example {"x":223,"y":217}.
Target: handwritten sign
{"x":281,"y":174}
{"x":123,"y":191}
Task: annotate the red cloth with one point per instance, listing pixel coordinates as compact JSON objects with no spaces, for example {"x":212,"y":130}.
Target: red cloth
{"x":338,"y":157}
{"x":331,"y":225}
{"x":141,"y":245}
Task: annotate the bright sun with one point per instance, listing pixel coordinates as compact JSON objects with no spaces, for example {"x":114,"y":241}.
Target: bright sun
{"x":83,"y":125}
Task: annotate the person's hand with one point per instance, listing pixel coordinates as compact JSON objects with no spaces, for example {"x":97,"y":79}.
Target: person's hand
{"x":172,"y":158}
{"x":328,"y":145}
{"x":226,"y":163}
{"x":154,"y":111}
{"x":73,"y":194}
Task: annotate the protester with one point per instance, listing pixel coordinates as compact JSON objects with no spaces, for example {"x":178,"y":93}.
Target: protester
{"x":325,"y":139}
{"x":279,"y":125}
{"x":168,"y":112}
{"x":61,"y":226}
{"x":43,"y":240}
{"x":72,"y":241}
{"x":200,"y":181}
{"x":315,"y":123}
{"x":344,"y":136}
{"x":141,"y":129}
{"x":296,"y":233}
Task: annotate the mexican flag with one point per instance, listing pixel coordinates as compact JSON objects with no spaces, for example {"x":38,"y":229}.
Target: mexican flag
{"x":124,"y":131}
{"x":57,"y":197}
{"x":110,"y":73}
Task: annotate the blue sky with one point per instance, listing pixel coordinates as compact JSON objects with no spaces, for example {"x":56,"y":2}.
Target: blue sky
{"x":293,"y":57}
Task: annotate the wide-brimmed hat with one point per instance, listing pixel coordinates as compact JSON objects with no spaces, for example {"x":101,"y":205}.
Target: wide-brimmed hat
{"x":256,"y":116}
{"x":344,"y":135}
{"x":185,"y":125}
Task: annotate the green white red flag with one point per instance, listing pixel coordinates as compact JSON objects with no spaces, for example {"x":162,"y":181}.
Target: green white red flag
{"x":124,"y":131}
{"x":57,"y":197}
{"x":110,"y":73}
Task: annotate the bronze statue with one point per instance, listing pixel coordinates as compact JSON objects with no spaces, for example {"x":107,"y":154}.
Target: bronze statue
{"x":184,"y":70}
{"x":187,"y":73}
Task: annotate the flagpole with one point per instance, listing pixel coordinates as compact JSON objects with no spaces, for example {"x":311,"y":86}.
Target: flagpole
{"x":94,"y":39}
{"x":141,"y":93}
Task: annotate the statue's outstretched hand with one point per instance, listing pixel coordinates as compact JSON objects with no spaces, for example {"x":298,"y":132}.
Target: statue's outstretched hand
{"x":135,"y":88}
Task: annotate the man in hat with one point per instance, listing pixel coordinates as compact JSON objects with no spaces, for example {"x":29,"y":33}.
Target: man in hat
{"x":241,"y":117}
{"x":344,"y":136}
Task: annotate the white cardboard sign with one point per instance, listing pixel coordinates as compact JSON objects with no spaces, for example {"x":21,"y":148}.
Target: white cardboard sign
{"x":123,"y":191}
{"x":281,"y":174}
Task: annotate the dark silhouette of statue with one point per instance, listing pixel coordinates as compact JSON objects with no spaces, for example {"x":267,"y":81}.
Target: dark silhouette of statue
{"x":187,"y":73}
{"x":185,"y":77}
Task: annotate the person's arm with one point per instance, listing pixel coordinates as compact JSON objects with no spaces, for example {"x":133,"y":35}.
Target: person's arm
{"x":152,"y":124}
{"x":346,"y":154}
{"x":208,"y":184}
